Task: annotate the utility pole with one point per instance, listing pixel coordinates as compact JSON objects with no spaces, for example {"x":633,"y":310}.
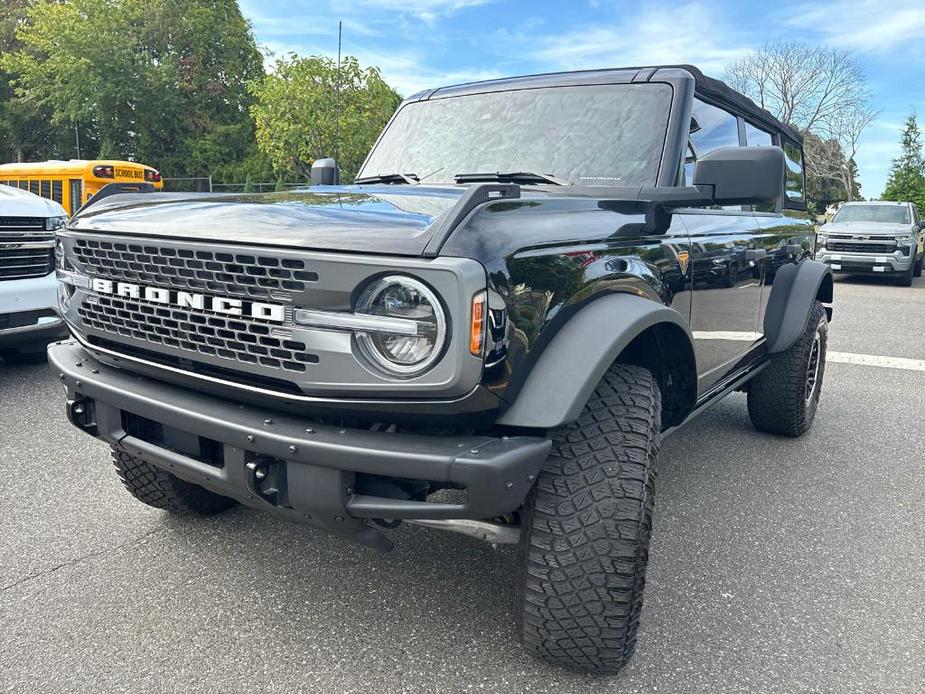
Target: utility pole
{"x":337,"y":97}
{"x":77,"y":137}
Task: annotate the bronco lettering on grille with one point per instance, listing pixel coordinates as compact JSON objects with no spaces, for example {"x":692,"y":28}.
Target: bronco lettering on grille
{"x":159,"y":295}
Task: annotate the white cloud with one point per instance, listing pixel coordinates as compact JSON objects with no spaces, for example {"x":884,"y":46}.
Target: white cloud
{"x":687,"y":33}
{"x":426,"y":10}
{"x":870,"y":26}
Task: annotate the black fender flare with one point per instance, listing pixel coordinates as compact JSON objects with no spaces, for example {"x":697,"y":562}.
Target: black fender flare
{"x":795,"y":289}
{"x":572,"y":364}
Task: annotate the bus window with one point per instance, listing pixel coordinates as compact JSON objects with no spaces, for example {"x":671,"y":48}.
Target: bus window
{"x":46,"y":189}
{"x":57,"y":192}
{"x":34,"y":187}
{"x":24,"y":185}
{"x":76,"y":191}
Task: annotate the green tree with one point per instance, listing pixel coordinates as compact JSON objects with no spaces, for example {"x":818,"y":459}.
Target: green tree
{"x":907,"y":175}
{"x":159,"y":81}
{"x":296,"y":113}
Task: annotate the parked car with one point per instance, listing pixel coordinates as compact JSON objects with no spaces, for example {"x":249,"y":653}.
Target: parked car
{"x":28,"y":290}
{"x":875,"y":238}
{"x":490,"y":332}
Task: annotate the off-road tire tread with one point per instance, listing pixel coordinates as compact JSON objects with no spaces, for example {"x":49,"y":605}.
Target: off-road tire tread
{"x":917,"y":268}
{"x":160,"y":489}
{"x":586,"y":527}
{"x":777,"y":396}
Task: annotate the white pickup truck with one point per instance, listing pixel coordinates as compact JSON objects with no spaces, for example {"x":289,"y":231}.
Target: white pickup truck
{"x":875,"y":238}
{"x":28,"y":290}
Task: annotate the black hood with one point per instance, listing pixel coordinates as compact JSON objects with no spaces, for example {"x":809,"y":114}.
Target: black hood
{"x":390,"y":219}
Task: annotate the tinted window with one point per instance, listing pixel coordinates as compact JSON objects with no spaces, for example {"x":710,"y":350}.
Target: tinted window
{"x":793,"y":183}
{"x":756,"y":137}
{"x":711,"y":128}
{"x":594,"y":135}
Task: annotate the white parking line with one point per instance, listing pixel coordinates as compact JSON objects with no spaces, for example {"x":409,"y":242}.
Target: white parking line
{"x":837,"y":357}
{"x":876,"y":360}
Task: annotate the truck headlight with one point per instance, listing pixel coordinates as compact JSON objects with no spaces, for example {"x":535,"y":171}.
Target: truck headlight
{"x":53,"y":223}
{"x":419,"y":329}
{"x":907,"y":238}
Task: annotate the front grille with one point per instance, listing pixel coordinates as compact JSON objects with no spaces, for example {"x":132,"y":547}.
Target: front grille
{"x":247,"y":275}
{"x":860,"y":247}
{"x":25,"y":248}
{"x":234,"y":339}
{"x":20,"y":262}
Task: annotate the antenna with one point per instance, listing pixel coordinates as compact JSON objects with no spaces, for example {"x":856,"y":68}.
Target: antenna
{"x":337,"y":97}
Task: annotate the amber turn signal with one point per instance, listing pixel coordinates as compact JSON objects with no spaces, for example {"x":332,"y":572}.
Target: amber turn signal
{"x":477,"y":324}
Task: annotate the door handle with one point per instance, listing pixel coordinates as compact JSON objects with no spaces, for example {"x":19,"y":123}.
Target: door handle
{"x":755,"y":253}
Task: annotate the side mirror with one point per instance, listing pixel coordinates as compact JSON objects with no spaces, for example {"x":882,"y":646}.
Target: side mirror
{"x":921,"y":226}
{"x":325,"y":172}
{"x":821,"y":220}
{"x":742,"y":175}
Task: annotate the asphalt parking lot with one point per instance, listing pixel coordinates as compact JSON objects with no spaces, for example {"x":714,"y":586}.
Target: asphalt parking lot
{"x":776,"y":565}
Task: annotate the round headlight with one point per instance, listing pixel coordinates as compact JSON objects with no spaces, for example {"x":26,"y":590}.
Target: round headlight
{"x":420,"y":327}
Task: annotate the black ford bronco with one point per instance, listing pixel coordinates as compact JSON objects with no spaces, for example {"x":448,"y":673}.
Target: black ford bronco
{"x":531,"y":283}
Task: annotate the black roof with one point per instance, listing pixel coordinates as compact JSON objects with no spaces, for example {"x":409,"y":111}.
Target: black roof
{"x":722,"y":92}
{"x":711,"y":89}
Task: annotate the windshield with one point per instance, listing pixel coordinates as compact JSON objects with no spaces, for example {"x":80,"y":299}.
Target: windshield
{"x":586,"y":135}
{"x":885,"y":214}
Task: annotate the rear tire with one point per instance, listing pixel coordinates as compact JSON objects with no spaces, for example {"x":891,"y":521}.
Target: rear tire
{"x":586,"y":526}
{"x":154,"y":487}
{"x":784,"y":397}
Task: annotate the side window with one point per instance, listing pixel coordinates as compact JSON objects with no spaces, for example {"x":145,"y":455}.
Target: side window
{"x":711,"y":128}
{"x":34,"y":187}
{"x":793,"y":176}
{"x":756,"y":137}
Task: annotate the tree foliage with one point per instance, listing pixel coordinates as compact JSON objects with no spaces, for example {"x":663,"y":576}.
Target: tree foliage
{"x":907,"y":175}
{"x":823,"y":93}
{"x":159,"y":81}
{"x":303,"y":104}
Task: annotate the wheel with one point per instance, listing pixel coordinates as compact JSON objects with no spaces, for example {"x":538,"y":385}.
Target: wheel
{"x":917,"y":269}
{"x":585,"y":529}
{"x":905,"y":278}
{"x":160,"y":489}
{"x":784,"y":397}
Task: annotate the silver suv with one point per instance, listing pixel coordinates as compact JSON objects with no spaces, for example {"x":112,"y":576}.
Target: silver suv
{"x":875,"y":238}
{"x":28,"y":290}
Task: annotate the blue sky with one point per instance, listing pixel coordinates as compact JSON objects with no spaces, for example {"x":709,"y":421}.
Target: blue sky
{"x":429,"y":43}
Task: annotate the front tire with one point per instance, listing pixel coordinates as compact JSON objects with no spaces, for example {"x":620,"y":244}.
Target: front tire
{"x":905,"y":278}
{"x":154,"y":487}
{"x":586,"y":526}
{"x":917,"y":270}
{"x":784,"y":397}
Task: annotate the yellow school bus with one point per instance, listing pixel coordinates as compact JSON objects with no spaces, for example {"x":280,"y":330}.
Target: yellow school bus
{"x":71,"y":183}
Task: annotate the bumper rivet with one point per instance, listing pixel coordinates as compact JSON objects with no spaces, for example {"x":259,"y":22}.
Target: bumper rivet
{"x":530,"y":478}
{"x":78,"y":364}
{"x":508,"y":485}
{"x":505,"y":438}
{"x":339,"y":519}
{"x":268,"y":421}
{"x":251,"y":438}
{"x":474,"y":451}
{"x":309,"y":431}
{"x":94,"y":371}
{"x":292,"y":449}
{"x":260,"y":473}
{"x":349,"y":491}
{"x":78,"y":383}
{"x":61,"y":376}
{"x":78,"y":409}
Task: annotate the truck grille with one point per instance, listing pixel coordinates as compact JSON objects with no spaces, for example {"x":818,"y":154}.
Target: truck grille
{"x":246,"y":275}
{"x":242,"y":340}
{"x":860,"y":247}
{"x":26,"y":248}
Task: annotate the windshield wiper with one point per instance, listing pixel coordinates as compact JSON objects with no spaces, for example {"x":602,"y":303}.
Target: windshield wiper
{"x":512,"y":177}
{"x":409,"y":178}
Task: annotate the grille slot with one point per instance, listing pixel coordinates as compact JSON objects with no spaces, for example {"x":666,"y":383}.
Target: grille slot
{"x":231,"y":338}
{"x":246,"y":275}
{"x":17,"y":262}
{"x":860,"y":247}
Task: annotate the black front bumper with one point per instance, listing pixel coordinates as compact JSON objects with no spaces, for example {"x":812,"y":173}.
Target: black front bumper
{"x":287,"y":464}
